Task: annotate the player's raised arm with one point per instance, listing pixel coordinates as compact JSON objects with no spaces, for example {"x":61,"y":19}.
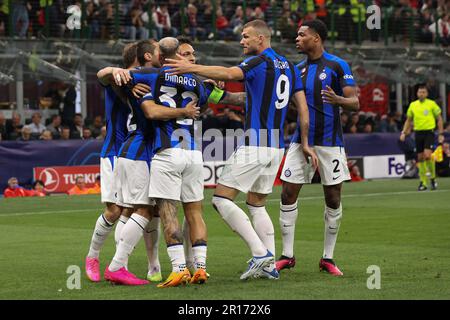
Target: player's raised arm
{"x":212,"y":72}
{"x":154,"y":111}
{"x":303,"y":114}
{"x":112,"y":75}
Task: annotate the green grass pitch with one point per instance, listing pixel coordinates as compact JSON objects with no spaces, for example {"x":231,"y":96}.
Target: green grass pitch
{"x":385,"y":223}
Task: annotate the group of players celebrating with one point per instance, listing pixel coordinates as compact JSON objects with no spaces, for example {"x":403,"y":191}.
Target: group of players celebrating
{"x":150,"y":160}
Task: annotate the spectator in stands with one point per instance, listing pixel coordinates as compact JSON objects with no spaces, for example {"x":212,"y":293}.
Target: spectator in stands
{"x":162,"y":22}
{"x":14,"y":127}
{"x":258,"y":14}
{"x":87,"y":134}
{"x":14,"y":190}
{"x":137,"y":25}
{"x":36,"y":126}
{"x":4,"y":17}
{"x":96,"y":189}
{"x":106,"y":19}
{"x":355,"y":173}
{"x":65,"y":133}
{"x":223,"y":28}
{"x":76,"y":131}
{"x":447,"y":127}
{"x":352,"y":125}
{"x":388,"y":124}
{"x":2,"y":126}
{"x":194,"y":29}
{"x":344,"y":119}
{"x":20,"y":17}
{"x":79,"y":188}
{"x":38,"y":188}
{"x":92,"y":19}
{"x":423,"y":26}
{"x":368,"y":127}
{"x":272,"y":13}
{"x":443,"y":30}
{"x":237,"y":22}
{"x":25,"y":134}
{"x":46,"y":135}
{"x":96,"y":127}
{"x":102,"y":135}
{"x":55,"y":126}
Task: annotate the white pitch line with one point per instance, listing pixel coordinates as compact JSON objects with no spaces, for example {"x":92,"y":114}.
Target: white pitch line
{"x":238,"y":202}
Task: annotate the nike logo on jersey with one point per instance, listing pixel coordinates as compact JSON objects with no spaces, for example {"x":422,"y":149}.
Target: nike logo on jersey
{"x":334,"y":178}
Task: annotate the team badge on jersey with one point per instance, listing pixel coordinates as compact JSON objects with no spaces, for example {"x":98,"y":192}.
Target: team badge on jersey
{"x":425,"y":112}
{"x":323,"y":76}
{"x":287,"y":173}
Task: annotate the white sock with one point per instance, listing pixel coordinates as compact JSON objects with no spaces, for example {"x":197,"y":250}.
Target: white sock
{"x":151,"y":239}
{"x":119,"y":227}
{"x":200,"y":256}
{"x":188,"y":251}
{"x":288,"y":217}
{"x":332,"y":223}
{"x":129,"y":238}
{"x":176,"y":255}
{"x":239,"y":223}
{"x":263,"y":226}
{"x":102,"y":229}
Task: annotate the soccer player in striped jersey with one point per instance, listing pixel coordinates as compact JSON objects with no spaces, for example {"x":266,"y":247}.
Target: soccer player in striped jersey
{"x":270,"y":82}
{"x":329,"y":85}
{"x":116,"y":112}
{"x":177,"y":166}
{"x":133,"y":174}
{"x":186,"y":50}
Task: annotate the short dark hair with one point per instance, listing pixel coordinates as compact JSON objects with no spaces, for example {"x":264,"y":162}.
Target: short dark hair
{"x":319,"y":27}
{"x":259,"y":25}
{"x":184,"y":40}
{"x":54,"y":116}
{"x":143,"y":47}
{"x":422,"y":86}
{"x":129,"y":55}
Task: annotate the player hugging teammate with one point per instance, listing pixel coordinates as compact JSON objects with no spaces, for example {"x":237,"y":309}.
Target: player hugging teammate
{"x":156,"y":163}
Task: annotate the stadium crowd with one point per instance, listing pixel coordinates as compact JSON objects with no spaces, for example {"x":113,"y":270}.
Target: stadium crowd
{"x":166,"y":18}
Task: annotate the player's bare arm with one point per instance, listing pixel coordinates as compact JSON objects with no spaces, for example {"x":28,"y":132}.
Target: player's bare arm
{"x":349,"y":101}
{"x":154,"y":111}
{"x":112,"y":75}
{"x":406,"y":129}
{"x":212,"y":72}
{"x":234,"y":98}
{"x":303,"y":114}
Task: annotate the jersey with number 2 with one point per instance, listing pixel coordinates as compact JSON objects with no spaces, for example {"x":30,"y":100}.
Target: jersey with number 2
{"x":270,"y":82}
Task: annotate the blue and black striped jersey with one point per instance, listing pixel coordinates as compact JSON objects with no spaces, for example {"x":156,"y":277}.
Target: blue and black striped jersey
{"x":324,"y":119}
{"x":174,"y":91}
{"x":270,"y":82}
{"x":137,"y":145}
{"x":116,"y":114}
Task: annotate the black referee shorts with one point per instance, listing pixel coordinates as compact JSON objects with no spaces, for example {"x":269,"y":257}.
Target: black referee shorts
{"x":424,"y":140}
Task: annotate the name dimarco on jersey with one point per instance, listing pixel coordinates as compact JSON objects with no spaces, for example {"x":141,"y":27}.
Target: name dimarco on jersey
{"x":181,"y":80}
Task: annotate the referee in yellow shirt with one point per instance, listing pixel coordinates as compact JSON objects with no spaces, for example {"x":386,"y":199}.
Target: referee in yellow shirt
{"x":424,"y":113}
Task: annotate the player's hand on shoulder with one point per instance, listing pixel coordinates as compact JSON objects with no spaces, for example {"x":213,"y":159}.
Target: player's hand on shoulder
{"x":310,"y":156}
{"x":140,"y":90}
{"x":191,"y":110}
{"x":121,"y":76}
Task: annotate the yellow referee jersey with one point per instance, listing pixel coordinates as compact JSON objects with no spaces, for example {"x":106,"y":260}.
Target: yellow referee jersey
{"x":423,"y":114}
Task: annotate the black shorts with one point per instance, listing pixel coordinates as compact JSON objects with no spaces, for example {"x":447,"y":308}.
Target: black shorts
{"x":424,"y":140}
